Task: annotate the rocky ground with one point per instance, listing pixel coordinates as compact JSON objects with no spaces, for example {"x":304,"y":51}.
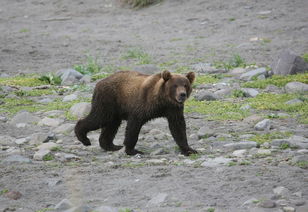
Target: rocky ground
{"x":250,"y":126}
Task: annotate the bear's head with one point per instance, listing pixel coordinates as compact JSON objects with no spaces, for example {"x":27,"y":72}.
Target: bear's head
{"x":178,"y":87}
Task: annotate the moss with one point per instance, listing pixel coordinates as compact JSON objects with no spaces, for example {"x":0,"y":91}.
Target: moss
{"x":99,"y":76}
{"x":194,"y":156}
{"x":28,"y":81}
{"x":268,"y":137}
{"x":277,"y":80}
{"x":206,"y":79}
{"x":302,"y":164}
{"x":305,"y":57}
{"x":35,"y":92}
{"x":216,"y":110}
{"x":138,"y":54}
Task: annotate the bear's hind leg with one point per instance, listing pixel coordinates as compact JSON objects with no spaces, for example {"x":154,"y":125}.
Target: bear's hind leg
{"x":107,"y":135}
{"x":84,"y":126}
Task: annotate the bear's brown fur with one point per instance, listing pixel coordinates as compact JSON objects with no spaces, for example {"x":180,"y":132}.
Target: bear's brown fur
{"x":137,"y":98}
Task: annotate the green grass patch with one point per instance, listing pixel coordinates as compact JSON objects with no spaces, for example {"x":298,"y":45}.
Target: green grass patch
{"x":51,"y":79}
{"x":35,"y":92}
{"x":238,"y":93}
{"x":302,"y":164}
{"x":3,"y":191}
{"x":234,"y":62}
{"x":194,"y":156}
{"x":206,"y":79}
{"x":216,"y":110}
{"x":305,"y":57}
{"x":139,"y":55}
{"x":14,"y":105}
{"x":27,"y":81}
{"x":276,"y":102}
{"x":140,"y":3}
{"x":268,"y":137}
{"x":48,"y":157}
{"x":91,"y":67}
{"x":99,"y":76}
{"x":278,"y":80}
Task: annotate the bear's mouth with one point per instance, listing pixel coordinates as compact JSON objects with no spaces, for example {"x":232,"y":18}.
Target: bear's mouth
{"x":181,"y":100}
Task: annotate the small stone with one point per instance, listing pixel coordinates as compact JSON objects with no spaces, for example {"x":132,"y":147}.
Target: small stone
{"x":45,"y":100}
{"x":267,"y":204}
{"x":281,"y":191}
{"x":289,"y":63}
{"x":253,"y":73}
{"x":264,"y":152}
{"x":299,"y":158}
{"x":70,"y":97}
{"x":106,"y":209}
{"x":80,"y":109}
{"x":288,"y":209}
{"x":294,"y":101}
{"x":223,"y":92}
{"x":250,"y":92}
{"x":24,"y":117}
{"x":263,"y":125}
{"x":237,"y":71}
{"x":245,"y":107}
{"x":6,"y":140}
{"x":86,"y":79}
{"x":157,"y":161}
{"x":193,"y":137}
{"x":251,"y":201}
{"x":205,"y":132}
{"x":38,"y":138}
{"x":15,"y":195}
{"x":64,"y":128}
{"x":63,"y":205}
{"x":296,"y":87}
{"x":279,"y":142}
{"x":47,"y":146}
{"x":298,"y":142}
{"x":67,"y":157}
{"x":82,"y":208}
{"x":159,"y":151}
{"x":206,"y":68}
{"x":252,"y":118}
{"x":240,"y":145}
{"x":205,"y":95}
{"x":51,"y":122}
{"x":39,"y":155}
{"x":3,"y":119}
{"x":69,"y":76}
{"x":213,"y":162}
{"x":299,"y":202}
{"x":239,"y":153}
{"x":272,"y":89}
{"x":157,"y":200}
{"x":20,"y":141}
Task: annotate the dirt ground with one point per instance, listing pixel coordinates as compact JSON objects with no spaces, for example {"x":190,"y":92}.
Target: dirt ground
{"x":40,"y":36}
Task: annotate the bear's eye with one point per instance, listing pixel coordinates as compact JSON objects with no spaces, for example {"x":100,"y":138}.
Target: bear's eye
{"x":185,"y":85}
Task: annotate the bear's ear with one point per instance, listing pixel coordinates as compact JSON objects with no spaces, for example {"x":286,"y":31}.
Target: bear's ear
{"x":166,"y":75}
{"x":191,"y":77}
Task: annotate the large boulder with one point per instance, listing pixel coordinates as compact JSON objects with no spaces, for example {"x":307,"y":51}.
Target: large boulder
{"x":296,"y":87}
{"x":289,"y":63}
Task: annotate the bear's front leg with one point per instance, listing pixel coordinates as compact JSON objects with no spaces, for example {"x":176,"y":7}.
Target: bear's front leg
{"x":177,"y":128}
{"x":131,"y":136}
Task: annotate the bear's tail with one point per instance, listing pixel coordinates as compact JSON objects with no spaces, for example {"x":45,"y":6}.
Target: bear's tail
{"x":84,"y":126}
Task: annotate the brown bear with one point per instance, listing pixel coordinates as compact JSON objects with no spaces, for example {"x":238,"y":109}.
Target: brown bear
{"x":137,"y":98}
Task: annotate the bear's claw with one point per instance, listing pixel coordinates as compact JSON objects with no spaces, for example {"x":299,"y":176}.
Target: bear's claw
{"x":113,"y":148}
{"x":133,"y":152}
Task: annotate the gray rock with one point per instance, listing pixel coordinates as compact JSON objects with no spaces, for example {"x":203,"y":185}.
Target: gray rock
{"x":51,"y":122}
{"x":38,"y":138}
{"x":3,"y":119}
{"x":267,"y":204}
{"x":272,"y":89}
{"x":69,"y":76}
{"x":17,"y":158}
{"x":223,"y":92}
{"x":63,"y":205}
{"x":281,"y":191}
{"x":261,"y":77}
{"x":206,"y":68}
{"x":67,"y":157}
{"x":289,"y":63}
{"x":70,"y":97}
{"x":245,"y":107}
{"x":106,"y":209}
{"x":6,"y":140}
{"x":300,"y":158}
{"x":253,"y":73}
{"x":250,"y":202}
{"x":279,"y":142}
{"x":294,"y":101}
{"x":157,"y":200}
{"x":237,"y":71}
{"x":39,"y":155}
{"x":250,"y":92}
{"x":20,"y":141}
{"x":240,"y":145}
{"x":24,"y":117}
{"x":264,"y":152}
{"x":213,"y":162}
{"x":239,"y":153}
{"x":296,"y":87}
{"x":263,"y":125}
{"x":147,"y":69}
{"x":47,"y":146}
{"x":302,"y":209}
{"x":205,"y":132}
{"x":45,"y":100}
{"x":64,"y":128}
{"x":86,"y":79}
{"x":288,"y":209}
{"x":206,"y":95}
{"x":298,"y":142}
{"x":80,"y":109}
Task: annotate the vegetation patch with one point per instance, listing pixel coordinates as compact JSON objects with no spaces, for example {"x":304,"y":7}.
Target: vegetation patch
{"x":302,"y":164}
{"x":278,"y":80}
{"x":26,"y":81}
{"x":140,"y":3}
{"x":91,"y":67}
{"x":206,"y":79}
{"x":216,"y":110}
{"x":99,"y":76}
{"x":276,"y":102}
{"x":139,"y":55}
{"x":234,"y":62}
{"x":268,"y":137}
{"x":34,"y":92}
{"x":305,"y":57}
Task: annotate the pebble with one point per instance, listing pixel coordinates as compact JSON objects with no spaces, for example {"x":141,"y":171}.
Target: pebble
{"x":294,"y":101}
{"x":80,"y":109}
{"x":3,"y":119}
{"x":281,"y":191}
{"x":288,"y":209}
{"x":39,"y":155}
{"x":205,"y":132}
{"x":213,"y":162}
{"x":206,"y":96}
{"x":70,"y":97}
{"x":51,"y":122}
{"x":263,"y":125}
{"x":250,"y":74}
{"x":250,"y":92}
{"x":264,"y":152}
{"x":47,"y":146}
{"x":64,"y":128}
{"x":157,"y":200}
{"x":240,"y":145}
{"x":24,"y":117}
{"x":239,"y":153}
{"x":17,"y":158}
{"x":20,"y":141}
{"x":267,"y":204}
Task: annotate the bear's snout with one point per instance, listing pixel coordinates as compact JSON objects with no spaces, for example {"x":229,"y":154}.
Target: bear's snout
{"x":182,"y":96}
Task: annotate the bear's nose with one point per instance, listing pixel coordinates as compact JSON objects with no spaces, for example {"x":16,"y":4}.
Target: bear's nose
{"x":183,"y":95}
